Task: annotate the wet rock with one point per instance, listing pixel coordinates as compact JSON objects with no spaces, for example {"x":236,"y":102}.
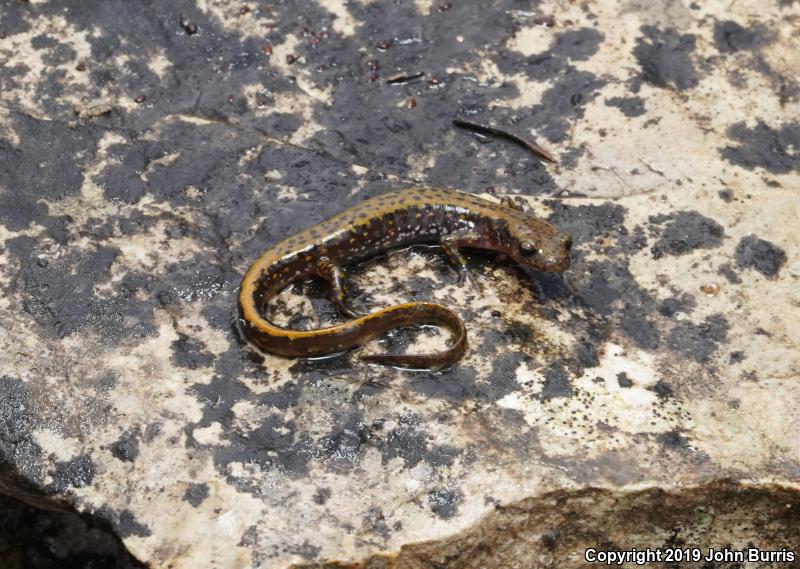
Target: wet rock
{"x":206,"y":134}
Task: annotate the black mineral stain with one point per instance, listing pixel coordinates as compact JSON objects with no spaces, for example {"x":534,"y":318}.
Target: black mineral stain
{"x":76,"y":473}
{"x":755,"y":253}
{"x":685,"y":231}
{"x":195,"y":494}
{"x":699,"y":341}
{"x":665,"y":58}
{"x":629,"y":106}
{"x":126,"y":448}
{"x":730,"y":37}
{"x":623,"y":380}
{"x":444,"y":502}
{"x":763,"y":146}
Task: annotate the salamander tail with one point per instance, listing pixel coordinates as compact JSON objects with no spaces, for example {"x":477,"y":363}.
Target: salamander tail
{"x":423,"y":313}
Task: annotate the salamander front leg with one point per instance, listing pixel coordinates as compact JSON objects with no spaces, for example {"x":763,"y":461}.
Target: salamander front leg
{"x":335,"y":277}
{"x":451,"y":245}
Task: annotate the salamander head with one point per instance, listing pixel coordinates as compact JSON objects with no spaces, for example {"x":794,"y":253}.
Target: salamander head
{"x":535,"y":244}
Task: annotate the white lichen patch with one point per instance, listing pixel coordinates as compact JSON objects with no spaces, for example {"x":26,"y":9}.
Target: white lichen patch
{"x":17,"y":51}
{"x":343,"y":23}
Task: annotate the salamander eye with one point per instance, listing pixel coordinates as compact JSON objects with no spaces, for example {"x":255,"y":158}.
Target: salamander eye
{"x":527,"y":248}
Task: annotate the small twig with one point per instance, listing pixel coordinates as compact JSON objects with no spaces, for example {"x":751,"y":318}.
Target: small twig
{"x":403,"y":78}
{"x":490,"y":130}
{"x":653,"y":170}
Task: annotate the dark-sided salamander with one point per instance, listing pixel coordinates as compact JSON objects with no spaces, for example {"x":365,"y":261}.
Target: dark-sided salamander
{"x":401,"y":218}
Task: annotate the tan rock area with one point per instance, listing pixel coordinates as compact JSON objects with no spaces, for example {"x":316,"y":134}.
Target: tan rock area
{"x":645,"y":398}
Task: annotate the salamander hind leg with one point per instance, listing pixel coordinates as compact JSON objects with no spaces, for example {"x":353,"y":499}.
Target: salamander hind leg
{"x":335,"y":277}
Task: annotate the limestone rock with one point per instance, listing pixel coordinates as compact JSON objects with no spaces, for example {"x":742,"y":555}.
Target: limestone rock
{"x":648,"y":397}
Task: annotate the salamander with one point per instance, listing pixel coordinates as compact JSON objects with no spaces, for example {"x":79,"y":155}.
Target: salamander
{"x":450,"y":218}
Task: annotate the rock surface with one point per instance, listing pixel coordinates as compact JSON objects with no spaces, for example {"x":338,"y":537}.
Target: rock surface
{"x":647,"y":397}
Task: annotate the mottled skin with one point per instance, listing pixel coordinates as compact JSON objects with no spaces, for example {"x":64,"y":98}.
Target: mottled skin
{"x":449,"y":218}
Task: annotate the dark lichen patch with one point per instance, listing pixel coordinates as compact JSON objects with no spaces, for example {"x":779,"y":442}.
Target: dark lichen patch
{"x":454,"y":384}
{"x":442,"y":455}
{"x":623,"y":380}
{"x":556,"y":384}
{"x":673,"y":440}
{"x":735,"y":357}
{"x":586,"y":223}
{"x":502,"y":379}
{"x":17,"y":420}
{"x":283,"y":398}
{"x":195,"y":494}
{"x":641,"y":329}
{"x":579,"y":44}
{"x":306,"y":550}
{"x":374,"y":522}
{"x":726,"y":195}
{"x":730,"y":37}
{"x":664,"y":56}
{"x":126,"y":448}
{"x":75,"y":473}
{"x":273,"y":443}
{"x":444,"y":502}
{"x":321,"y":496}
{"x":686,"y":231}
{"x":47,"y":164}
{"x":671,"y":306}
{"x":727,"y":271}
{"x":763,"y":146}
{"x":662,"y":389}
{"x":410,"y":441}
{"x":342,"y":447}
{"x":123,"y":522}
{"x":190,"y":353}
{"x":699,"y":341}
{"x":60,"y":294}
{"x":629,"y":106}
{"x":755,"y":253}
